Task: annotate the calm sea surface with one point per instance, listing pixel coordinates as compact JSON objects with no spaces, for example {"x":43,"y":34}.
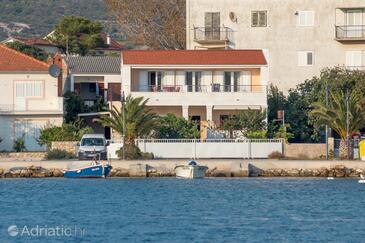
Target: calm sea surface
{"x":174,"y":210}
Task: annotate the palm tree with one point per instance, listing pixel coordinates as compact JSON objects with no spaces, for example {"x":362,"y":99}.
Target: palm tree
{"x":139,"y":119}
{"x":335,"y":115}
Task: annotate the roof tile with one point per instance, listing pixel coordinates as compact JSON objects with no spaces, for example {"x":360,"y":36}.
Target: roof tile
{"x":194,"y":57}
{"x":13,"y":61}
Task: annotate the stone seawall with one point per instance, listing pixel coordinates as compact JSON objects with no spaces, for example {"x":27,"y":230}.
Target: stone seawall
{"x":217,"y":168}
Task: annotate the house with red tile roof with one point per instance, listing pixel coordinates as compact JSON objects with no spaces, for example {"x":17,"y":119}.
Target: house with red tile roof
{"x":29,"y":100}
{"x":41,"y":43}
{"x":205,"y":86}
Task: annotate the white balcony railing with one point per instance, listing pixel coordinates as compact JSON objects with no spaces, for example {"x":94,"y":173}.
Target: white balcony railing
{"x":213,"y":88}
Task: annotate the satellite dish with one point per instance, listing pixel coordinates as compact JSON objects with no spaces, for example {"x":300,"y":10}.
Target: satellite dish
{"x":233,"y":17}
{"x":54,"y":71}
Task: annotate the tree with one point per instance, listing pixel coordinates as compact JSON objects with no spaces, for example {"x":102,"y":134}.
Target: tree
{"x":172,"y":127}
{"x":136,"y":121}
{"x":32,"y":51}
{"x":77,"y":35}
{"x":335,"y":114}
{"x":276,"y":101}
{"x":155,"y":23}
{"x":74,"y":105}
{"x":67,"y":132}
{"x":250,"y":122}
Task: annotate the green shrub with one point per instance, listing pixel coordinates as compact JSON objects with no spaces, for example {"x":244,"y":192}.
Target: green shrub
{"x":132,"y":152}
{"x":66,"y":132}
{"x":59,"y":154}
{"x":262,"y":134}
{"x":19,"y":144}
{"x":147,"y":156}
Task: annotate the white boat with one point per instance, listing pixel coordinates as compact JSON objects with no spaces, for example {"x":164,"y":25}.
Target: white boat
{"x":191,"y":171}
{"x":362,"y":178}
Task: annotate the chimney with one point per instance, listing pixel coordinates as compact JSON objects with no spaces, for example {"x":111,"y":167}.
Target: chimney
{"x":108,"y":39}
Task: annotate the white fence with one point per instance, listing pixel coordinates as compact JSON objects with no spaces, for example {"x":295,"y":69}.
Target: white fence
{"x":211,"y":148}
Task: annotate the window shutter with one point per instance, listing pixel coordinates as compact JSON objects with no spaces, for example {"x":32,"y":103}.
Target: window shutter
{"x":208,"y":20}
{"x":38,"y":89}
{"x":305,"y":18}
{"x":255,"y":19}
{"x":262,"y":19}
{"x":301,"y":58}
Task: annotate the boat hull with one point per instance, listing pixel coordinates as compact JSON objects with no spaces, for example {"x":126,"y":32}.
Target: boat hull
{"x":95,"y":171}
{"x":190,"y":171}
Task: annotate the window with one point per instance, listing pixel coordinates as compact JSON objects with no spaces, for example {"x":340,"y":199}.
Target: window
{"x":259,"y":18}
{"x":353,"y":59}
{"x":305,"y":58}
{"x":212,"y":26}
{"x":305,"y":18}
{"x":28,"y":89}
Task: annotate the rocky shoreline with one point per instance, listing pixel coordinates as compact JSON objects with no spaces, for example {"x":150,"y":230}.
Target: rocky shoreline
{"x":339,"y":171}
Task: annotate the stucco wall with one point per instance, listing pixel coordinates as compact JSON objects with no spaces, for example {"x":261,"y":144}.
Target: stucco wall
{"x":282,"y":37}
{"x":308,"y":150}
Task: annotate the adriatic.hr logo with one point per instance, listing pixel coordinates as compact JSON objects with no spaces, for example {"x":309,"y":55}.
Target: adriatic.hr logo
{"x":45,"y":231}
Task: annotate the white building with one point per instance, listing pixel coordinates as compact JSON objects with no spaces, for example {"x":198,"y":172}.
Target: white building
{"x":29,"y":99}
{"x":205,"y":86}
{"x":301,"y":36}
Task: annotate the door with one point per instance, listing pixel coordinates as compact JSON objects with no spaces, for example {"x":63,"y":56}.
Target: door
{"x":212,"y":26}
{"x":189,"y":81}
{"x":154,"y":81}
{"x":198,"y":81}
{"x":196,"y":120}
{"x":227,"y":81}
{"x":354,"y":23}
{"x":20,"y":95}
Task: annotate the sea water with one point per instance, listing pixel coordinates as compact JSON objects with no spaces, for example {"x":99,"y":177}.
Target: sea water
{"x":178,"y":210}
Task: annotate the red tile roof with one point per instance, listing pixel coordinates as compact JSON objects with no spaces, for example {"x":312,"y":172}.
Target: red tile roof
{"x":114,"y":45}
{"x":194,"y":57}
{"x":34,"y":41}
{"x":14,"y":61}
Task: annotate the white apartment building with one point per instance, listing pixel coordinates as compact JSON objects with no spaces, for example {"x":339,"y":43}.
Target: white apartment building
{"x":30,"y":99}
{"x":301,"y":36}
{"x":200,"y":85}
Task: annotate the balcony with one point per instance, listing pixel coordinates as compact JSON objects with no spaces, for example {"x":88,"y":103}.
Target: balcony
{"x":350,"y":33}
{"x":202,"y":95}
{"x":212,"y":88}
{"x":218,"y":36}
{"x":355,"y":68}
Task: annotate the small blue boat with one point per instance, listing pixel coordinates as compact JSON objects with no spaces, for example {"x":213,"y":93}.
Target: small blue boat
{"x":94,"y":170}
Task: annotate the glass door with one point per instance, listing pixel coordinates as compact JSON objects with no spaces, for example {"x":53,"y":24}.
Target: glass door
{"x":354,"y":23}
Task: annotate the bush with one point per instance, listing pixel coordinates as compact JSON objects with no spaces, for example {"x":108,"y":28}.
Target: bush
{"x":19,"y":144}
{"x":132,"y":152}
{"x":276,"y":155}
{"x":59,"y":154}
{"x":66,"y":132}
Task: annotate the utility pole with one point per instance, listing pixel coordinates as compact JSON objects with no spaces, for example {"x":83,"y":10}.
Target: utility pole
{"x":326,"y":124}
{"x":123,"y":112}
{"x":347,"y":124}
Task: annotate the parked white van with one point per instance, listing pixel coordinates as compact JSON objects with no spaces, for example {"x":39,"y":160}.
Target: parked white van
{"x":91,"y":146}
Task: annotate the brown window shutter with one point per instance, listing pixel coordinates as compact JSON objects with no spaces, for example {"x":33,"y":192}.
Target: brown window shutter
{"x":255,"y":19}
{"x":262,"y":18}
{"x":77,"y":87}
{"x":114,"y":91}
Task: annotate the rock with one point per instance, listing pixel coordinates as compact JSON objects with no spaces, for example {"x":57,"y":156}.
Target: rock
{"x":57,"y":173}
{"x":294,"y":172}
{"x":1,"y":172}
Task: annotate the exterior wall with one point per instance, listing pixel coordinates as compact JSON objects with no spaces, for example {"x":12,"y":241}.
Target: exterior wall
{"x":69,"y":146}
{"x":48,"y":103}
{"x":282,"y":37}
{"x":218,"y":113}
{"x":12,"y":127}
{"x":308,"y":150}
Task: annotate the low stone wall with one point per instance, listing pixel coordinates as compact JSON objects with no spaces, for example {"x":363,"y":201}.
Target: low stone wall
{"x":23,"y":155}
{"x":69,"y":146}
{"x":307,"y":150}
{"x":217,"y":168}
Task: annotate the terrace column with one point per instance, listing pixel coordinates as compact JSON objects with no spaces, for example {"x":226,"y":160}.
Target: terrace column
{"x":185,"y":112}
{"x":209,"y":113}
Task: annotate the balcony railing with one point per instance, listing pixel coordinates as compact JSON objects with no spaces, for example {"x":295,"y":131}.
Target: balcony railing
{"x":350,"y":32}
{"x":218,"y":34}
{"x":355,"y":68}
{"x":212,"y":88}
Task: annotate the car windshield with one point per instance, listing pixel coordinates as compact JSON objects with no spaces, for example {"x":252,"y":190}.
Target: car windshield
{"x":92,"y":142}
